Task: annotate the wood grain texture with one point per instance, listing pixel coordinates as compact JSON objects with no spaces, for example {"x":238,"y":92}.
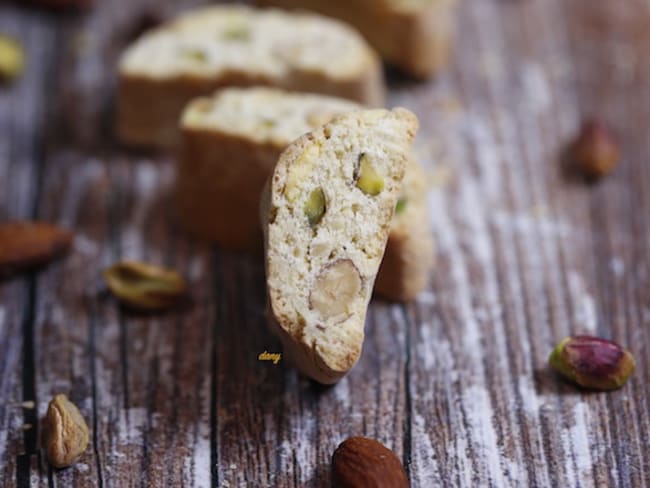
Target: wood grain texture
{"x":455,"y":383}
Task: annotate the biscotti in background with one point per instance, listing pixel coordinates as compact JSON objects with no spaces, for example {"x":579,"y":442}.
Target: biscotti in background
{"x":414,"y":35}
{"x":410,"y":252}
{"x":220,"y":46}
{"x":230,"y":144}
{"x":327,"y":212}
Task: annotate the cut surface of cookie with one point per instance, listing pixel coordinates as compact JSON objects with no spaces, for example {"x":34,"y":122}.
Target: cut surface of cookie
{"x":230,"y":144}
{"x":220,"y":46}
{"x":328,"y":209}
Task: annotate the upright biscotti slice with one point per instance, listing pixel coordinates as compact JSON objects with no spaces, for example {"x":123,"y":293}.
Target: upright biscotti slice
{"x":328,"y":209}
{"x":410,"y":252}
{"x":414,"y":35}
{"x":237,"y":46}
{"x":230,"y":144}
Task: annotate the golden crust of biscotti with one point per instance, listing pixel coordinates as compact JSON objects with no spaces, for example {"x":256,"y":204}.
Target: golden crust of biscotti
{"x":186,"y":58}
{"x":230,"y":144}
{"x":410,"y":252}
{"x":320,"y":272}
{"x":413,"y":35}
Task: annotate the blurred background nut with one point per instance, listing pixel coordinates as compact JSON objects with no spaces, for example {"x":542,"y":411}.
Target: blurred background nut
{"x":595,"y":151}
{"x":592,"y":362}
{"x":25,"y":245}
{"x":360,"y":462}
{"x":145,"y":286}
{"x":65,"y":432}
{"x":12,"y":59}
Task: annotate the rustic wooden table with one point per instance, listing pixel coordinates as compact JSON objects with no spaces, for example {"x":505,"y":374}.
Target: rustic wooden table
{"x":456,"y":383}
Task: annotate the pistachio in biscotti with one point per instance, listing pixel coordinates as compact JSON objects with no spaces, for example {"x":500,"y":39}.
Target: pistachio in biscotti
{"x":237,"y":32}
{"x":300,"y":170}
{"x":401,"y":205}
{"x":315,"y":206}
{"x":336,"y":288}
{"x":194,"y":54}
{"x":367,"y":179}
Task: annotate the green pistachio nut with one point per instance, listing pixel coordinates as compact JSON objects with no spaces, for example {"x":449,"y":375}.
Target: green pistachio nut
{"x":368,"y":180}
{"x":592,"y":362}
{"x":315,"y":206}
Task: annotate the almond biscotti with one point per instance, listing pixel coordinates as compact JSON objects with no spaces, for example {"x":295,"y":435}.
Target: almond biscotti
{"x":414,"y":35}
{"x":230,"y":144}
{"x":224,"y":45}
{"x":327,"y":211}
{"x":410,"y":251}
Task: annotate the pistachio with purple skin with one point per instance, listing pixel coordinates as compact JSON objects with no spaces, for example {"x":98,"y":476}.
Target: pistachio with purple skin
{"x":592,"y":362}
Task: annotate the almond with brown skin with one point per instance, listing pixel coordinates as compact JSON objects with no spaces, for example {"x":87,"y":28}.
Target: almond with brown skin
{"x":360,"y":462}
{"x":26,"y":245}
{"x":595,"y":151}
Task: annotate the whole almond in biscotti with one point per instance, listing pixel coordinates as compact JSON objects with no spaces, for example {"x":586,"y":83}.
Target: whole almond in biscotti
{"x":25,"y":245}
{"x":235,"y":45}
{"x":327,"y":213}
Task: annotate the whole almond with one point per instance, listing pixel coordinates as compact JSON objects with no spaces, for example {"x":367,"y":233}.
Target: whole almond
{"x":65,"y":432}
{"x":595,"y":151}
{"x":25,"y":245}
{"x":360,"y":462}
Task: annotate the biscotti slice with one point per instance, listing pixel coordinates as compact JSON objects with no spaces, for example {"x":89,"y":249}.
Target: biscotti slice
{"x":233,"y":45}
{"x":413,"y":35}
{"x":328,"y":209}
{"x":410,"y":251}
{"x":230,"y":144}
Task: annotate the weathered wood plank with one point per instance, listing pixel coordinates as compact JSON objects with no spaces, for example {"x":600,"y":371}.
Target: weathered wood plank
{"x":23,"y":109}
{"x":455,"y":383}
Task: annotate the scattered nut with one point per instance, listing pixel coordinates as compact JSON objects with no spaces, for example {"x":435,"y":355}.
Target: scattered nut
{"x":315,"y":206}
{"x":144,"y":286}
{"x":25,"y":245}
{"x":367,"y":179}
{"x":336,"y":288}
{"x":595,"y":152}
{"x":65,"y":432}
{"x":360,"y":462}
{"x":12,"y":59}
{"x":401,"y":205}
{"x":592,"y":362}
